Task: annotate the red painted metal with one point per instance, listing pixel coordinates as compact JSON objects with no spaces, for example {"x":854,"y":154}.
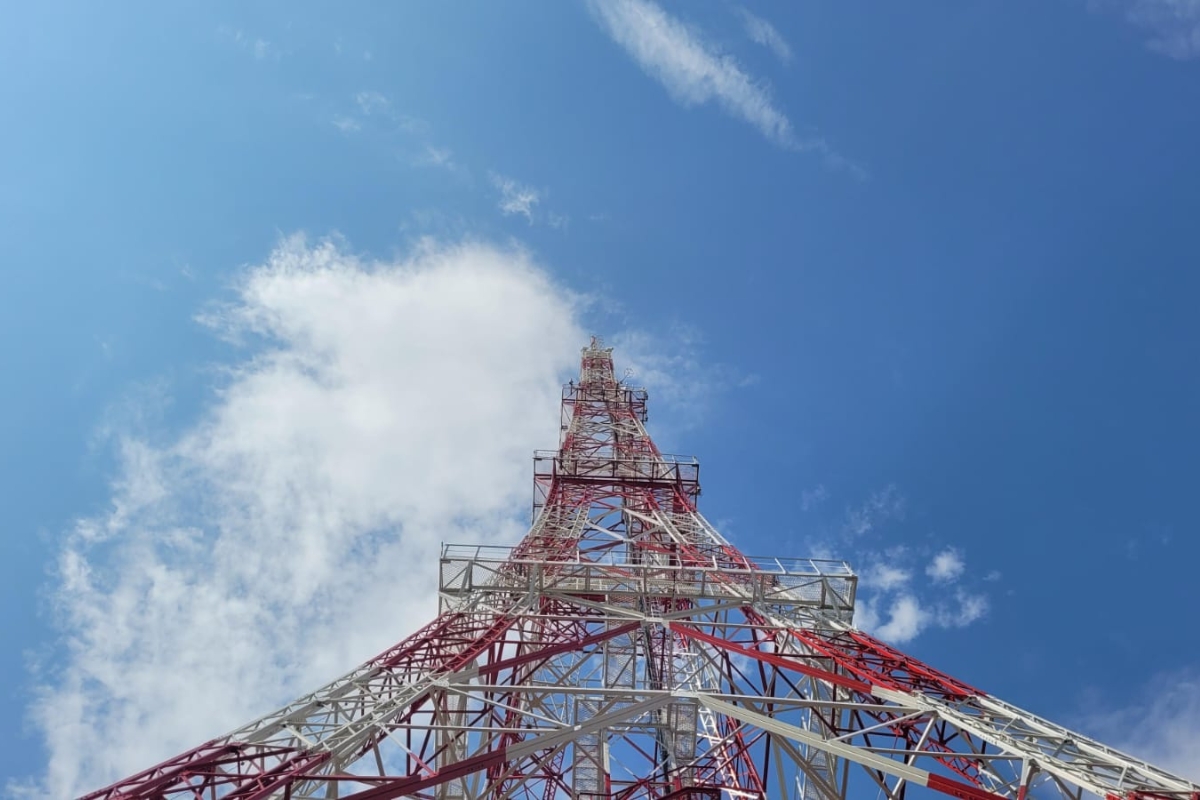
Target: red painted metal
{"x":607,"y":466}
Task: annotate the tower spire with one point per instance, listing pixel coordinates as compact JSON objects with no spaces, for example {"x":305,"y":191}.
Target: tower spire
{"x":622,"y":650}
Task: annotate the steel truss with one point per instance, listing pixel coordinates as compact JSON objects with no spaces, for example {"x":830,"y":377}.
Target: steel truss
{"x":624,"y":649}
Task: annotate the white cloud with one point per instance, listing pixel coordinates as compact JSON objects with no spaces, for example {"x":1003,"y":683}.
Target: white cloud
{"x":884,"y":505}
{"x":292,"y":531}
{"x":885,"y":577}
{"x":811,"y":498}
{"x":1174,"y":25}
{"x":410,"y":124}
{"x":906,"y":619}
{"x":516,"y":198}
{"x":695,"y":72}
{"x":967,"y":609}
{"x":946,"y":566}
{"x":371,"y":102}
{"x":890,"y":605}
{"x":762,"y":32}
{"x":670,"y":365}
{"x":440,"y":158}
{"x":378,"y":105}
{"x":346,"y":124}
{"x":1163,"y":726}
{"x":260,"y":48}
{"x":866,"y":618}
{"x":692,"y":70}
{"x":908,"y":615}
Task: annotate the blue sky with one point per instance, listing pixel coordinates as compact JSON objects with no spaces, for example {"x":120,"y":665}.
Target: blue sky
{"x":287,"y":290}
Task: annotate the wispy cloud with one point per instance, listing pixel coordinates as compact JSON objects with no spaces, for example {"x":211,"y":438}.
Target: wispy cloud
{"x":262,"y":49}
{"x":1173,"y":25}
{"x":811,"y":498}
{"x":372,"y":102}
{"x":695,"y":72}
{"x":393,"y":135}
{"x":346,"y":124}
{"x":516,"y":198}
{"x":883,"y":505}
{"x":1162,"y":726}
{"x":672,"y":366}
{"x":440,"y":158}
{"x":215,"y":588}
{"x":762,"y":32}
{"x":374,"y":115}
{"x":423,"y":223}
{"x":373,"y":105}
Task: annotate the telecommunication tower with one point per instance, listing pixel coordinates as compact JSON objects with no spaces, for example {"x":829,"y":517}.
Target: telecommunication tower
{"x":624,"y":650}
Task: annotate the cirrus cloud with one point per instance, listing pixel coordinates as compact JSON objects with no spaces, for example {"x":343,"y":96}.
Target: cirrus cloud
{"x":695,"y":72}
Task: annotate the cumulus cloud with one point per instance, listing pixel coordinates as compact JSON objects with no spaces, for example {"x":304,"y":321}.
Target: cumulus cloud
{"x":946,"y":566}
{"x":890,"y":604}
{"x":1173,"y":25}
{"x":899,"y":615}
{"x":291,"y":531}
{"x":516,"y":198}
{"x":885,"y":577}
{"x":893,"y":608}
{"x":762,"y":32}
{"x":905,"y":620}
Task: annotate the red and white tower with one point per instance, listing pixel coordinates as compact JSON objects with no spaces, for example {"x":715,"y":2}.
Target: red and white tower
{"x":625,"y":650}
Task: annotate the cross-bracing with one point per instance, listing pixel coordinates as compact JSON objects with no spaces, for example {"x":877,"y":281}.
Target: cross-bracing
{"x":625,"y":649}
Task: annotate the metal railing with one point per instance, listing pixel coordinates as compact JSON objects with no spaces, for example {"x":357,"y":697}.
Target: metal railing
{"x":783,"y":582}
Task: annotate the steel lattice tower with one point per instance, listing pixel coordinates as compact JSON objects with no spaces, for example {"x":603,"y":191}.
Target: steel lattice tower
{"x":624,"y":649}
